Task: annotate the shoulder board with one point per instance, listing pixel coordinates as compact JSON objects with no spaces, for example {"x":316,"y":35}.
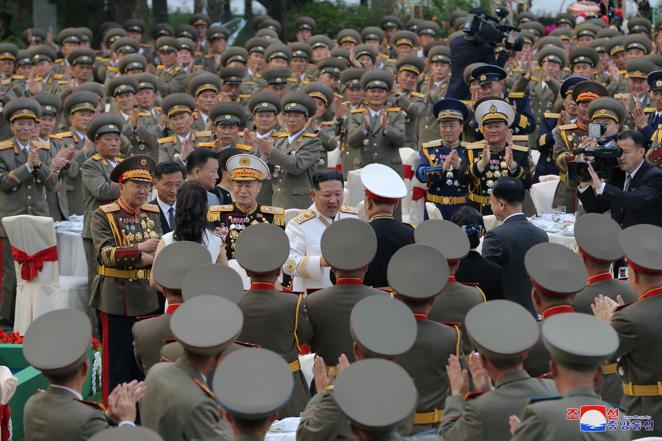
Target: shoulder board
{"x":6,"y":144}
{"x":327,"y":123}
{"x":393,"y":109}
{"x":471,"y":395}
{"x":160,"y":67}
{"x":219,"y":208}
{"x":279,"y":135}
{"x":103,"y":59}
{"x":348,"y":209}
{"x":203,"y":133}
{"x":176,"y":69}
{"x":271,"y":210}
{"x":248,"y":83}
{"x":62,"y":82}
{"x":516,"y":95}
{"x":620,"y":96}
{"x":517,"y":69}
{"x":113,"y":69}
{"x":5,"y":82}
{"x":145,"y":45}
{"x":205,"y":144}
{"x":204,"y":388}
{"x":539,"y":399}
{"x":58,"y":77}
{"x":357,"y":111}
{"x":310,"y":135}
{"x":59,"y":61}
{"x":42,"y":145}
{"x":534,"y":78}
{"x":649,"y":110}
{"x":551,"y":115}
{"x":520,"y":137}
{"x":150,"y":207}
{"x":244,"y":96}
{"x":110,"y":208}
{"x":418,"y":94}
{"x":97,"y":157}
{"x":435,"y":143}
{"x":18,"y":77}
{"x":62,"y":135}
{"x":475,"y":145}
{"x":292,"y":80}
{"x":520,"y":148}
{"x":195,"y":115}
{"x":166,"y":139}
{"x":469,"y":103}
{"x":93,"y":404}
{"x":305,"y":216}
{"x":243,"y":147}
{"x":144,"y":114}
{"x":568,"y":127}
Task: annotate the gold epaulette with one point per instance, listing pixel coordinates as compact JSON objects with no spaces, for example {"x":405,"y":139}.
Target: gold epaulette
{"x":476,"y":145}
{"x":534,"y":78}
{"x":568,"y":127}
{"x":649,"y":110}
{"x":214,"y":212}
{"x":328,"y":123}
{"x":393,"y":109}
{"x":304,"y":216}
{"x":418,"y":94}
{"x":244,"y":96}
{"x":280,"y":135}
{"x":44,"y":145}
{"x":552,"y":115}
{"x":6,"y":144}
{"x":621,"y":96}
{"x":110,"y":208}
{"x":5,"y":82}
{"x":434,"y":143}
{"x":145,"y":45}
{"x":147,"y":114}
{"x":208,"y":56}
{"x":310,"y":135}
{"x":58,"y":77}
{"x":150,"y":207}
{"x":18,"y":77}
{"x":468,"y":103}
{"x":337,"y":95}
{"x":195,"y":115}
{"x":516,"y":95}
{"x":292,"y":80}
{"x":248,"y":83}
{"x":268,"y":209}
{"x":520,"y":148}
{"x":245,"y":147}
{"x":357,"y":110}
{"x":520,"y":137}
{"x":103,"y":59}
{"x":92,"y":404}
{"x":160,"y":67}
{"x":348,"y":209}
{"x":517,"y":69}
{"x":62,"y":82}
{"x":203,"y":134}
{"x":205,"y":144}
{"x":113,"y":69}
{"x":204,"y":388}
{"x":62,"y":135}
{"x":172,"y":138}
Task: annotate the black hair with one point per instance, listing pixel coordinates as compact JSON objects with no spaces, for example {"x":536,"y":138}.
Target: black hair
{"x":226,"y":154}
{"x":198,"y":158}
{"x":509,"y":189}
{"x":168,"y":168}
{"x":471,"y":222}
{"x":636,"y":136}
{"x":326,"y":175}
{"x":191,"y":213}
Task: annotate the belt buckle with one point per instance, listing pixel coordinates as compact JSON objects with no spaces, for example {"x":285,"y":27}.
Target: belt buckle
{"x":140,"y":274}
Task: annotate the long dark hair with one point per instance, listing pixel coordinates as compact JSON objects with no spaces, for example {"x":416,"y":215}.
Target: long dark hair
{"x":191,"y":212}
{"x":471,"y":222}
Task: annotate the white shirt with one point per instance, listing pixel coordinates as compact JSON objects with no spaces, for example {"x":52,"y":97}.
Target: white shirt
{"x":81,"y":136}
{"x":25,"y":148}
{"x":184,"y":138}
{"x":204,"y":117}
{"x":508,"y":217}
{"x":165,"y":208}
{"x":374,"y":114}
{"x":292,"y":138}
{"x":258,"y":135}
{"x":305,"y":233}
{"x":601,"y":188}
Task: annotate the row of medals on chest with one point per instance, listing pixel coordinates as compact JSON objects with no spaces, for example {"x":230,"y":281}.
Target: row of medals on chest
{"x":132,"y":224}
{"x":237,"y":224}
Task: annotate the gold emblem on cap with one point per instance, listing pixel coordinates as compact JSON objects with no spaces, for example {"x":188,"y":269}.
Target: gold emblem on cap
{"x":658,"y":83}
{"x":244,"y":161}
{"x":227,"y":116}
{"x":264,"y":104}
{"x":111,"y":126}
{"x":493,"y":109}
{"x":483,"y":77}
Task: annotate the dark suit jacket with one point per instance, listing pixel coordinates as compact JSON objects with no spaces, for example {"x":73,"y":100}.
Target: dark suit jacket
{"x":162,"y":217}
{"x":641,"y":204}
{"x":507,"y":245}
{"x":476,"y":270}
{"x":391,"y":236}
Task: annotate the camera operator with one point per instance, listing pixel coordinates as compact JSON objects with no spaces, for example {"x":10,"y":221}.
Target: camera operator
{"x":633,"y":193}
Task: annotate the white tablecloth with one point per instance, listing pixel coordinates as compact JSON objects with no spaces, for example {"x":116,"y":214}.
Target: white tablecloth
{"x":562,"y":232}
{"x":70,"y":248}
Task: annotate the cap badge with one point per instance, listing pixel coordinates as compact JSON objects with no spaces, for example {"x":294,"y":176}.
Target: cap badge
{"x":493,"y":109}
{"x":143,"y":162}
{"x":244,"y":161}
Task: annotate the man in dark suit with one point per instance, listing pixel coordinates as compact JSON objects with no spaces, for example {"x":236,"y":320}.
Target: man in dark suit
{"x":168,"y":177}
{"x":508,"y":243}
{"x":633,"y":194}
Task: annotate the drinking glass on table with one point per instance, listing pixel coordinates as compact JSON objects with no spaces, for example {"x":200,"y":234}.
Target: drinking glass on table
{"x":557,"y":212}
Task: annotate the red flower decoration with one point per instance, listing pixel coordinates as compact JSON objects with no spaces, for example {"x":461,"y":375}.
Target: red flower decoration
{"x":96,"y":344}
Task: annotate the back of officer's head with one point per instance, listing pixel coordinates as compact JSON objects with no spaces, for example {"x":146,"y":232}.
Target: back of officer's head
{"x":198,"y":158}
{"x":509,"y":190}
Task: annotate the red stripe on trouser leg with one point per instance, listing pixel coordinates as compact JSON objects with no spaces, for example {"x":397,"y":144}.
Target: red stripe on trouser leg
{"x":105,"y":355}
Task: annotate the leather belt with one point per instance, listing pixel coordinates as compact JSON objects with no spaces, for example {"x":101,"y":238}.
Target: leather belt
{"x":432,"y":417}
{"x":483,"y":200}
{"x":446,"y":200}
{"x":643,"y":390}
{"x":131,"y":274}
{"x":295,"y":366}
{"x":609,"y":369}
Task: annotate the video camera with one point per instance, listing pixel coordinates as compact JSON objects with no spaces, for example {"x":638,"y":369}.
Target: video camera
{"x":492,"y":30}
{"x":604,"y":159}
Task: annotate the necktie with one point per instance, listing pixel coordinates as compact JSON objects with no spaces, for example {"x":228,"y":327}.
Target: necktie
{"x":628,"y":179}
{"x":171,"y":217}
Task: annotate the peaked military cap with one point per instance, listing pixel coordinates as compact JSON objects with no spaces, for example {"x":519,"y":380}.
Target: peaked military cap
{"x":246,"y":167}
{"x":608,"y":33}
{"x":166,"y":44}
{"x":565,"y":17}
{"x":122,"y":84}
{"x":301,"y":50}
{"x":429,"y":27}
{"x":319,"y":40}
{"x":264,"y":102}
{"x":134,"y":168}
{"x":450,"y":108}
{"x":349,"y":244}
{"x":269,"y":23}
{"x":493,"y":109}
{"x":8,"y":51}
{"x":177,"y":103}
{"x":349,"y":35}
{"x":554,"y":54}
{"x":105,"y":123}
{"x":187,"y":31}
{"x":382,"y":184}
{"x":113,"y":34}
{"x":569,"y":84}
{"x":216,"y":32}
{"x":654,"y":80}
{"x":375,"y":394}
{"x":234,"y":53}
{"x":555,"y":270}
{"x":203,"y":81}
{"x":125,"y":45}
{"x":639,"y":25}
{"x":382,"y":327}
{"x":487,"y":73}
{"x":418,"y":272}
{"x":332,"y":65}
{"x":607,"y":107}
{"x":126,"y":433}
{"x":58,"y":341}
{"x":307,"y":23}
{"x":320,"y":91}
{"x":456,"y":15}
{"x":563,"y":34}
{"x":278,"y":50}
{"x":579,"y":341}
{"x":162,"y":30}
{"x":439,"y":54}
{"x":637,"y":41}
{"x":639,"y":68}
{"x":199,"y":19}
{"x":391,"y":21}
{"x":352,"y":78}
{"x":599,"y":44}
{"x":372,"y":33}
{"x":41,"y":53}
{"x":176,"y":260}
{"x":268,"y":34}
{"x":405,"y":37}
{"x":525,"y":16}
{"x":185,"y":43}
{"x":22,"y":108}
{"x":411,"y":63}
{"x":341,"y":53}
{"x":68,"y":35}
{"x":134,"y":25}
{"x":413,"y":24}
{"x":445,"y":236}
{"x":262,"y":248}
{"x":591,"y":231}
{"x":588,"y":91}
{"x":277,"y":75}
{"x":468,"y":72}
{"x":253,"y":383}
{"x":585,"y":55}
{"x":146,"y":81}
{"x":501,"y":330}
{"x":227,"y":114}
{"x":535,"y":26}
{"x":298,"y":102}
{"x":133,"y":62}
{"x":213,"y":280}
{"x":586,"y":29}
{"x":641,"y":246}
{"x":377,"y":79}
{"x":653,"y":58}
{"x":33,"y":36}
{"x":23,"y":58}
{"x":257,"y":44}
{"x":50,"y":103}
{"x":232,"y":75}
{"x":81,"y":100}
{"x":206,"y":325}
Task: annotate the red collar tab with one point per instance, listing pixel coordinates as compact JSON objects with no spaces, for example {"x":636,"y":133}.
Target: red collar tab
{"x":421,"y":317}
{"x":651,"y":293}
{"x":172,"y":307}
{"x":263,"y":286}
{"x":559,"y":309}
{"x":349,"y":281}
{"x":598,"y":278}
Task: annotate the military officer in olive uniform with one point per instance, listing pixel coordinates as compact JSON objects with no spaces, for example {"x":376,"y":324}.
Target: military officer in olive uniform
{"x":125,"y":234}
{"x":273,"y":320}
{"x":204,"y":87}
{"x":493,"y":157}
{"x":323,"y":121}
{"x":354,"y":95}
{"x":227,"y":120}
{"x":639,"y":95}
{"x":247,"y":172}
{"x":556,"y":274}
{"x":25,"y":177}
{"x":171,"y":77}
{"x":149,"y":115}
{"x":434,"y":86}
{"x":577,"y":359}
{"x":503,"y":332}
{"x":407,"y":98}
{"x":174,"y":262}
{"x":375,"y":130}
{"x":61,"y":410}
{"x":178,"y":402}
{"x":179,"y":109}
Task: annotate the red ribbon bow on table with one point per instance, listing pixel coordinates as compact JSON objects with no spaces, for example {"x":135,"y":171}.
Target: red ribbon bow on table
{"x":31,"y":265}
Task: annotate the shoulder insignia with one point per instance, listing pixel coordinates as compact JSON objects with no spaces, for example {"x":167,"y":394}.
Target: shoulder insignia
{"x":471,"y":395}
{"x":205,"y":144}
{"x":475,"y":145}
{"x":311,"y":135}
{"x":292,"y":80}
{"x":435,"y":143}
{"x":19,"y":77}
{"x":649,"y":109}
{"x":44,"y":145}
{"x":245,"y":147}
{"x":113,"y":69}
{"x":166,"y":139}
{"x":195,"y":115}
{"x":305,"y":216}
{"x":97,"y":157}
{"x":549,"y":398}
{"x":520,"y":148}
{"x":348,"y":209}
{"x":203,"y":133}
{"x":145,"y":45}
{"x":568,"y":127}
{"x":160,"y":67}
{"x":520,"y":137}
{"x":516,"y":95}
{"x":147,"y":114}
{"x":551,"y":115}
{"x":150,"y":207}
{"x":271,"y":210}
{"x":248,"y":83}
{"x":5,"y":82}
{"x":418,"y":94}
{"x":204,"y":388}
{"x":357,"y":111}
{"x":469,"y":103}
{"x":6,"y":144}
{"x":279,"y":135}
{"x":103,"y":59}
{"x":621,"y":96}
{"x":328,"y":123}
{"x":393,"y":109}
{"x":63,"y":82}
{"x":110,"y":208}
{"x":58,"y":77}
{"x":62,"y":135}
{"x":93,"y":404}
{"x":218,"y":208}
{"x":516,"y":70}
{"x":244,"y":96}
